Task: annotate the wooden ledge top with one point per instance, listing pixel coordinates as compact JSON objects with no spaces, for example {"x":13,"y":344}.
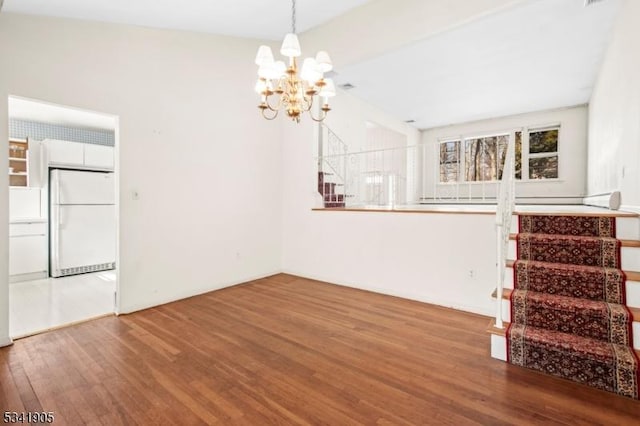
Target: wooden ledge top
{"x":424,"y":211}
{"x":480,"y":209}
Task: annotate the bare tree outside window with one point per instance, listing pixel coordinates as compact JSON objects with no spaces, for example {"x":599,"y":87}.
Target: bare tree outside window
{"x":484,"y":158}
{"x":481,"y":159}
{"x":449,"y":161}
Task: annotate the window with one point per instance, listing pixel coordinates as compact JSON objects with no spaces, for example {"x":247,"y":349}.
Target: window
{"x":543,"y":154}
{"x":484,"y":158}
{"x":481,"y":159}
{"x":518,"y":164}
{"x":449,"y":161}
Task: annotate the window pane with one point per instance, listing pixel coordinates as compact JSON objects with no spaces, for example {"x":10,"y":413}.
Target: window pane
{"x":518,"y":155}
{"x":489,"y":169}
{"x":473,"y":159}
{"x":543,"y":141}
{"x":502,"y":153}
{"x":449,"y":159}
{"x":484,"y":158}
{"x":543,"y":168}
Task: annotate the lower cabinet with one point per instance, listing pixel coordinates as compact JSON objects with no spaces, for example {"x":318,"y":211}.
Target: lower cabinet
{"x":27,"y":248}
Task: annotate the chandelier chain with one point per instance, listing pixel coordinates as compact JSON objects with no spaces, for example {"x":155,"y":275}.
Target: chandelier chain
{"x":293,"y":16}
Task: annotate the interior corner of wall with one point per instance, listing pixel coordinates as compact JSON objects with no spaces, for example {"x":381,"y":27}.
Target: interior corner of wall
{"x":5,"y":341}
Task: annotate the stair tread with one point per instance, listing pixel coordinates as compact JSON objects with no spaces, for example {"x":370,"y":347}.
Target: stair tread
{"x":506,"y":295}
{"x":623,"y":243}
{"x":492,"y":329}
{"x":616,"y":213}
{"x":631,"y":275}
{"x":571,"y":342}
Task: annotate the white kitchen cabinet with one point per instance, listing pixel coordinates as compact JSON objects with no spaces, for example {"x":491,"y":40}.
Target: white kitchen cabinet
{"x":65,"y":152}
{"x":98,"y":156}
{"x":80,"y":155}
{"x":25,"y":202}
{"x":27,"y":248}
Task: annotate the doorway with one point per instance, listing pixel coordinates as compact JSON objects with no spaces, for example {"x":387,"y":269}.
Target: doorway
{"x":63,"y":215}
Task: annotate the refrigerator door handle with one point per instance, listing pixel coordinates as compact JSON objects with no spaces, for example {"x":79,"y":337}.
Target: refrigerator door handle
{"x":59,"y":222}
{"x":55,"y":232}
{"x":58,"y":191}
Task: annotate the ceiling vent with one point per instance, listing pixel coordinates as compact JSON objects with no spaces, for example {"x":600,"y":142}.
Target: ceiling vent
{"x":347,"y":86}
{"x":410,"y":121}
{"x":590,"y":2}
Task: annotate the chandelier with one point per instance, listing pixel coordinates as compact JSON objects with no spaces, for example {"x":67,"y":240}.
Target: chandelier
{"x":295,"y":93}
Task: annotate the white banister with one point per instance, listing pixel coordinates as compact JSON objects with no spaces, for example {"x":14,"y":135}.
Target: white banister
{"x":504,"y":212}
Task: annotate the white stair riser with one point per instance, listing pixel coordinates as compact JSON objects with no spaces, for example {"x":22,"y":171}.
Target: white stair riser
{"x":628,"y":228}
{"x":633,"y":295}
{"x":514,"y":224}
{"x":633,"y":289}
{"x":629,"y":256}
{"x":498,"y":347}
{"x":506,"y":316}
{"x":508,"y":278}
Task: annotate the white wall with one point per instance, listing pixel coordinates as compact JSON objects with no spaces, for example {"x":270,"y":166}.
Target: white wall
{"x":572,"y":151}
{"x":192,"y":143}
{"x":614,"y":114}
{"x":349,"y":116}
{"x":419,"y":256}
{"x":4,"y":215}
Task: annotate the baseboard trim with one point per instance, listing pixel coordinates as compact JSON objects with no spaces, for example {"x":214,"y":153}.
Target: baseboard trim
{"x":608,"y":200}
{"x":7,"y":341}
{"x":632,"y":209}
{"x":402,"y":294}
{"x":196,"y":292}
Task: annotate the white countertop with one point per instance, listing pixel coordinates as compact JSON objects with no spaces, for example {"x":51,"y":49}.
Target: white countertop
{"x":27,"y":220}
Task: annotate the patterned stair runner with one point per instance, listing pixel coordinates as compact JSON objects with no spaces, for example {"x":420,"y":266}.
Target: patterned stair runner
{"x":568,"y":312}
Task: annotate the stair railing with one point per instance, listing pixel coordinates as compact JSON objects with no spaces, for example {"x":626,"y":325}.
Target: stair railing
{"x":334,"y":153}
{"x":504,"y":212}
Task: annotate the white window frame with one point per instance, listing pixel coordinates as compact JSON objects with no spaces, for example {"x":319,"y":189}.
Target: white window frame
{"x":526,"y":155}
{"x":531,"y":156}
{"x":438,"y":174}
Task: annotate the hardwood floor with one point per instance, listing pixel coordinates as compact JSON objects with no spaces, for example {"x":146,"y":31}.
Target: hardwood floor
{"x":287,"y":350}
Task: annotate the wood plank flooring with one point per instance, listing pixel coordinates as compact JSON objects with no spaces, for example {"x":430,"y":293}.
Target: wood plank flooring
{"x":287,"y":350}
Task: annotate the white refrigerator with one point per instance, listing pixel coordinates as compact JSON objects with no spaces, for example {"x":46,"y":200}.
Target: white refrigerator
{"x":82,"y":220}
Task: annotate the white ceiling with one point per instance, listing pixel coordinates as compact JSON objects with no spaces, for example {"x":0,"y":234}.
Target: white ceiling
{"x":537,"y":55}
{"x":542,"y":54}
{"x":262,"y":19}
{"x":25,"y":109}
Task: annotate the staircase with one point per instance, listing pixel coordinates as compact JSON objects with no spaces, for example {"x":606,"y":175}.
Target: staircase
{"x":327,"y":189}
{"x":572,"y":299}
{"x":332,"y":168}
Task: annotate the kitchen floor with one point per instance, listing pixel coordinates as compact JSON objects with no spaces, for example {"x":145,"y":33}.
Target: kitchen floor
{"x":40,"y":305}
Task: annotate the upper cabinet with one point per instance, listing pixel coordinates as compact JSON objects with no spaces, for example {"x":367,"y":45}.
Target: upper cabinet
{"x":18,"y":162}
{"x":81,"y":155}
{"x":65,"y":153}
{"x":98,"y":156}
